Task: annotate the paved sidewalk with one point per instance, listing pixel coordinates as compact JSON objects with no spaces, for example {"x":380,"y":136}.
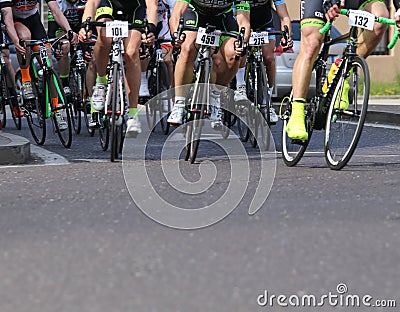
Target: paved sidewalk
{"x":14,"y":149}
{"x":383,"y":109}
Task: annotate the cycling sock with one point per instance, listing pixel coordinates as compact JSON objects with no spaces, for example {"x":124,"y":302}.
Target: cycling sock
{"x":299,"y":100}
{"x":93,"y":110}
{"x":25,"y":75}
{"x":54,"y":102}
{"x":271,"y":90}
{"x":240,"y":77}
{"x":133,"y":111}
{"x":64,"y":80}
{"x":102,"y":79}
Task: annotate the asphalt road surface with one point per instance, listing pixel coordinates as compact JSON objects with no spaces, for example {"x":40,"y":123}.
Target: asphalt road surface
{"x":73,"y":239}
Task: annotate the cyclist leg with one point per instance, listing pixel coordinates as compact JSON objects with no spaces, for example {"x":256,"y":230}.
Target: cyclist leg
{"x":370,"y":39}
{"x":310,"y":44}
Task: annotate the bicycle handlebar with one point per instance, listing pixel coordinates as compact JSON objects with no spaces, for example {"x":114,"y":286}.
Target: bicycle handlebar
{"x":378,"y":19}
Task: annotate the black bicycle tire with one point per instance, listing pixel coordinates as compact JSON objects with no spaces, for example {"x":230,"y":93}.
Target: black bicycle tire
{"x":163,"y":85}
{"x":52,"y":74}
{"x":75,"y":111}
{"x":338,"y":165}
{"x":104,"y":131}
{"x":253,"y":111}
{"x":264,"y":112}
{"x":113,"y":124}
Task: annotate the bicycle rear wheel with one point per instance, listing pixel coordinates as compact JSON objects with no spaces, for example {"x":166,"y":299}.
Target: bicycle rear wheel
{"x":293,"y":150}
{"x":344,"y":125}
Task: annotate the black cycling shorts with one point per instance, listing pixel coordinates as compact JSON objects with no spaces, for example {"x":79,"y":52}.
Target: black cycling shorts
{"x":224,"y":21}
{"x":134,"y":11}
{"x":34,"y":24}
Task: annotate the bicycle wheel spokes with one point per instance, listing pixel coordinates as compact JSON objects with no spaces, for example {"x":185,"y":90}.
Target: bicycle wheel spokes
{"x":347,"y":114}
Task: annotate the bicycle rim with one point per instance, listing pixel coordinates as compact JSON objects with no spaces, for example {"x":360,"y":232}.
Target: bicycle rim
{"x":344,"y":126}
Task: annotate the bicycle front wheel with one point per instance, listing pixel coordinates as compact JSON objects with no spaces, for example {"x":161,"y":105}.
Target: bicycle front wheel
{"x":61,"y":113}
{"x":35,"y":113}
{"x":164,"y":102}
{"x":347,"y":112}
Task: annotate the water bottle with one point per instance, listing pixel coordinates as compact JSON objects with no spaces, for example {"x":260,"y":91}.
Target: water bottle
{"x":331,"y":74}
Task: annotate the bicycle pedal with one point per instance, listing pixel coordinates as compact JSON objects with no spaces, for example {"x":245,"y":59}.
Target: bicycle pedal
{"x":299,"y":142}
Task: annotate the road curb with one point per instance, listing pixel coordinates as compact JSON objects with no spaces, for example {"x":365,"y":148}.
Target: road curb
{"x":14,"y":149}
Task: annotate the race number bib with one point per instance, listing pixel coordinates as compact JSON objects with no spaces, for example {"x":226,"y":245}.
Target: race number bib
{"x":258,"y":38}
{"x":361,"y":19}
{"x":117,"y":29}
{"x":210,"y":39}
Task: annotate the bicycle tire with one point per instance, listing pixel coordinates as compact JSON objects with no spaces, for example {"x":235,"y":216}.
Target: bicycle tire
{"x":263,"y":119}
{"x":104,"y":131}
{"x":63,"y":108}
{"x":163,"y":85}
{"x":227,"y":118}
{"x":200,"y":97}
{"x":114,"y":107}
{"x":344,"y":126}
{"x":293,"y":150}
{"x":252,"y":118}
